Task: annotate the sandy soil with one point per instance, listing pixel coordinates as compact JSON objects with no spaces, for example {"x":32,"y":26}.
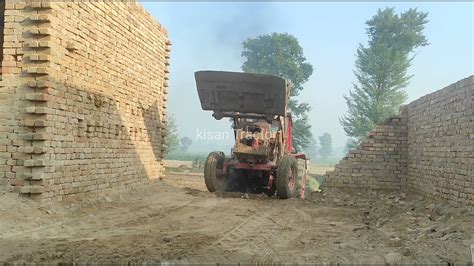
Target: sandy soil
{"x":176,"y":221}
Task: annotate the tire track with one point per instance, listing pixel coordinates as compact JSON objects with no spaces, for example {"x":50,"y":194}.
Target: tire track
{"x":285,"y":235}
{"x":261,"y":235}
{"x":105,"y":221}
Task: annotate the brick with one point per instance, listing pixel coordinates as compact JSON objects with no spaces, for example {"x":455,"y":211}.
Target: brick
{"x":37,"y":97}
{"x":32,"y":189}
{"x":34,"y":163}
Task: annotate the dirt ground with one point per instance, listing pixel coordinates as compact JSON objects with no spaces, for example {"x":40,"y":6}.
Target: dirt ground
{"x":175,"y":220}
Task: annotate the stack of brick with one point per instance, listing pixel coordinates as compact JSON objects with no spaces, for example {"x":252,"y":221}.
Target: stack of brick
{"x":83,"y":101}
{"x":379,"y":162}
{"x":427,"y":149}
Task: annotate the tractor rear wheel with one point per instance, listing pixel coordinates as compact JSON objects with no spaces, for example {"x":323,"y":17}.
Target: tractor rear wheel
{"x":287,"y":173}
{"x":214,"y":175}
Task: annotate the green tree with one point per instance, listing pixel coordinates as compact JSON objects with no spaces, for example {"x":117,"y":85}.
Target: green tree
{"x":281,"y":55}
{"x":171,"y":141}
{"x":381,"y":69}
{"x":350,"y":145}
{"x":325,"y":143}
{"x":312,"y":149}
{"x":185,"y":143}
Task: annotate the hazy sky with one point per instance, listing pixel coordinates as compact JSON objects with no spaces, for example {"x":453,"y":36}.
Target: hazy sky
{"x":208,"y":36}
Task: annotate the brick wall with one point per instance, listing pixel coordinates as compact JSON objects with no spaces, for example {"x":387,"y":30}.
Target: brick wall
{"x":427,"y":149}
{"x":379,"y":162}
{"x":83,"y":102}
{"x":441,"y":143}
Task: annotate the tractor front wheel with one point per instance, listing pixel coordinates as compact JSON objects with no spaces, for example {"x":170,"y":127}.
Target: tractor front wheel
{"x":287,"y":174}
{"x":214,"y":175}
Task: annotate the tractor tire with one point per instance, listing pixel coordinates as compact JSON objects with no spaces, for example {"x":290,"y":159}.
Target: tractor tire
{"x":214,"y":179}
{"x":286,"y":179}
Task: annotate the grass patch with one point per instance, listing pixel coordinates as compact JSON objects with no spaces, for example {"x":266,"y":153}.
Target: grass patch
{"x":186,"y":156}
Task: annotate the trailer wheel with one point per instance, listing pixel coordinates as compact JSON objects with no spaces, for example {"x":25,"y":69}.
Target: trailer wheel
{"x":214,"y":175}
{"x":287,"y":173}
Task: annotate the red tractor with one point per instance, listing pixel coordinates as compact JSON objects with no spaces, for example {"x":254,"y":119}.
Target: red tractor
{"x":263,"y":159}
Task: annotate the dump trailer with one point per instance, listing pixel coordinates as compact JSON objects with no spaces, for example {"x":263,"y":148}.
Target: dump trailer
{"x":262,"y":159}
